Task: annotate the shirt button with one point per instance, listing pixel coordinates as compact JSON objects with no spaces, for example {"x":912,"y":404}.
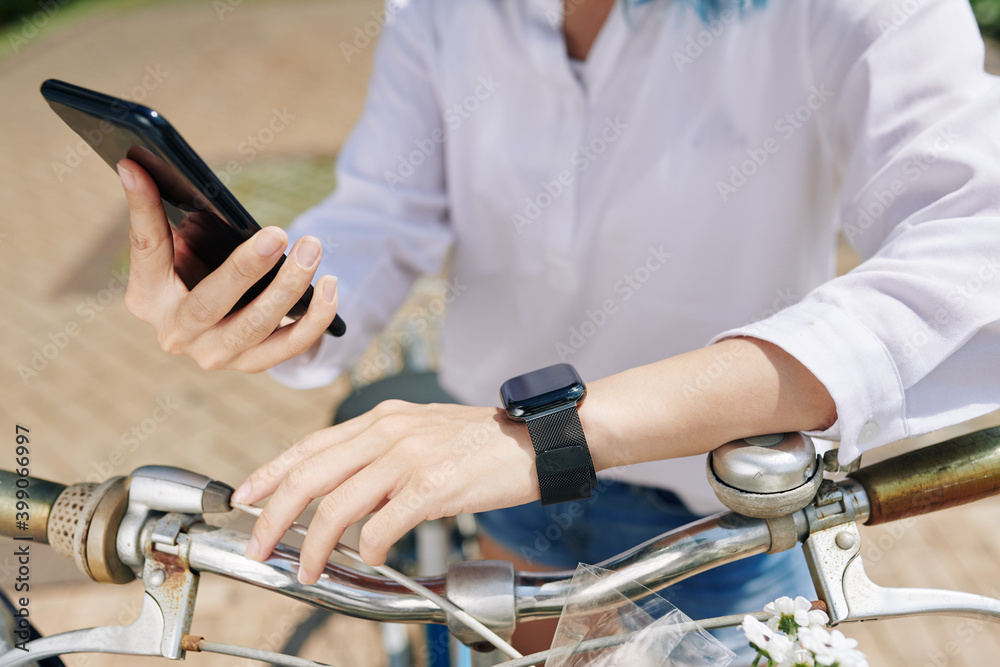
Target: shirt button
{"x":868,"y":432}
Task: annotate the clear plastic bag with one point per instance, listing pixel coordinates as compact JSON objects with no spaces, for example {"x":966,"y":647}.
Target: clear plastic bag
{"x":597,"y":611}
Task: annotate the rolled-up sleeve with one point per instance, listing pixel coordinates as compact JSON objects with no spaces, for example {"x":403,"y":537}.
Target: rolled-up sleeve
{"x":909,"y":341}
{"x":387,"y":221}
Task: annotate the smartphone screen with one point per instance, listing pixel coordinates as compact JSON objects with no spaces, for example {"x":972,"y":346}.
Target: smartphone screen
{"x":203,"y":213}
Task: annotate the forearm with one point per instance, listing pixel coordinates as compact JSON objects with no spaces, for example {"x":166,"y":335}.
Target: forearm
{"x":692,"y":403}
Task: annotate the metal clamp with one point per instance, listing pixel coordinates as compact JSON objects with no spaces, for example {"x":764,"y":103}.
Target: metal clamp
{"x":167,"y":609}
{"x":169,"y":580}
{"x":837,"y":503}
{"x":831,"y":462}
{"x":154,"y":490}
{"x":485,"y":589}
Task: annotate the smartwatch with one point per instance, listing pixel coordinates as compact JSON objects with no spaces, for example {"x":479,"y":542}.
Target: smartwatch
{"x":547,"y":400}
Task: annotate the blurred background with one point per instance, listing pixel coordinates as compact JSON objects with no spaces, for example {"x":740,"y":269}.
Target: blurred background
{"x":101,"y":398}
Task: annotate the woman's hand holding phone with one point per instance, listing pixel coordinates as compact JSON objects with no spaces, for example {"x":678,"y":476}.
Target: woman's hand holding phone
{"x":196,"y":321}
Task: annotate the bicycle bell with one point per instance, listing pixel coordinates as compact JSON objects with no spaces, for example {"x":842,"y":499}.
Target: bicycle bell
{"x":766,"y":476}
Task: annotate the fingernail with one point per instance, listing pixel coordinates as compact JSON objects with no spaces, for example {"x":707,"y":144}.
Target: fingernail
{"x":128,"y":178}
{"x":253,"y":549}
{"x":307,"y":252}
{"x":302,"y":576}
{"x":242,"y":494}
{"x":268,"y":242}
{"x":330,"y":289}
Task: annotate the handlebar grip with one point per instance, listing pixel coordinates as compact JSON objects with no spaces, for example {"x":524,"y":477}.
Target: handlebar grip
{"x":948,"y":474}
{"x":37,"y":498}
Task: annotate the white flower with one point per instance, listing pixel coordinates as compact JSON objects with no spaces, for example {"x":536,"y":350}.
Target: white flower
{"x":798,"y":611}
{"x":784,"y":606}
{"x":781,"y":649}
{"x":845,"y":652}
{"x":776,"y":645}
{"x":797,"y":657}
{"x":796,"y":636}
{"x":817,"y":641}
{"x":804,"y":657}
{"x":757,"y":633}
{"x":832,"y":648}
{"x":817,"y":618}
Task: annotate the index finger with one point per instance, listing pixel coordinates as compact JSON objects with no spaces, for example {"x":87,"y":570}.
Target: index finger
{"x":263,"y":481}
{"x":151,"y":243}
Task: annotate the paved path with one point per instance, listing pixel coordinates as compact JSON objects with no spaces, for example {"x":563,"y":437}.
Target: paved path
{"x":109,"y":400}
{"x":106,"y":400}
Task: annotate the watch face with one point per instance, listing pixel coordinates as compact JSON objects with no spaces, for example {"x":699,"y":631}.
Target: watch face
{"x":542,"y":390}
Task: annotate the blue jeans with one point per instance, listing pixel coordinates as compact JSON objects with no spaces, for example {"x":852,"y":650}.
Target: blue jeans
{"x":619,"y":516}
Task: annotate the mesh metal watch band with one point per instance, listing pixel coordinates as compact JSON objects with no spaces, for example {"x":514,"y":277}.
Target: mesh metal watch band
{"x":557,"y":430}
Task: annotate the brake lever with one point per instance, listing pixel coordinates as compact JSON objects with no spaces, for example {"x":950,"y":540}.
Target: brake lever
{"x":167,"y":607}
{"x":834,"y":558}
{"x":143,"y":637}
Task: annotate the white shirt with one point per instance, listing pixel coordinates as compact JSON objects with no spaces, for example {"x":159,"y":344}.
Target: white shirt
{"x":686,"y":187}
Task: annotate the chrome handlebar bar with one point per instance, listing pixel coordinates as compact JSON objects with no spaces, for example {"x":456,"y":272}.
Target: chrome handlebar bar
{"x":341,"y":589}
{"x":654,"y":565}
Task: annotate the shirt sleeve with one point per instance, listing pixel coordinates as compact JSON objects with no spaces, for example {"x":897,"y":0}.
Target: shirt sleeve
{"x":908,"y":342}
{"x":387,"y":221}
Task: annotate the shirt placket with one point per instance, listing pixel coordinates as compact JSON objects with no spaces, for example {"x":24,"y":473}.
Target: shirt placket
{"x":562,"y":187}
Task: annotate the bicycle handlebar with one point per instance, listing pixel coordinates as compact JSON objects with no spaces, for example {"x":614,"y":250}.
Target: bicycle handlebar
{"x":951,"y":473}
{"x":653,"y":565}
{"x":37,"y":495}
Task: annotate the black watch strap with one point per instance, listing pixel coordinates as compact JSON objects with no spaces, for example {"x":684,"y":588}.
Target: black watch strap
{"x":562,"y":458}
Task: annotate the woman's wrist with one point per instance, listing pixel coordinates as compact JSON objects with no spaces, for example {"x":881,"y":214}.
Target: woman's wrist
{"x":609,"y":447}
{"x":692,"y":403}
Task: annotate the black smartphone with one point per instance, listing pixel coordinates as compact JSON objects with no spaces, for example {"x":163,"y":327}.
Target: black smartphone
{"x":202,"y":211}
